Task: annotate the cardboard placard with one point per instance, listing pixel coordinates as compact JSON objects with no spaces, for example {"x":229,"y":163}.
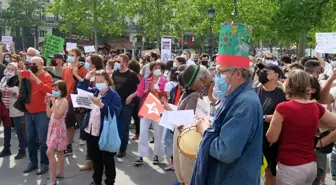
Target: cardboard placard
{"x":52,"y":44}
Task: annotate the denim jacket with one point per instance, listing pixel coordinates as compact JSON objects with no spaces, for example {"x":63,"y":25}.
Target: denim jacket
{"x":231,"y":150}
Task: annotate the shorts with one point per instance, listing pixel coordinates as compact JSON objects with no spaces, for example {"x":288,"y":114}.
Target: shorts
{"x":70,"y":118}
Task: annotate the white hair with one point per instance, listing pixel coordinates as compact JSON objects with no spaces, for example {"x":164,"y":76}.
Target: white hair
{"x":203,"y":73}
{"x":38,"y":59}
{"x":36,"y":52}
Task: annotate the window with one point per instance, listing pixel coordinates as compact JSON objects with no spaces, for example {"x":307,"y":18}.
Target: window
{"x":43,"y":33}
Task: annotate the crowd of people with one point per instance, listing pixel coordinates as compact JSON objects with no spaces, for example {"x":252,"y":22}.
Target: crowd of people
{"x":280,"y":110}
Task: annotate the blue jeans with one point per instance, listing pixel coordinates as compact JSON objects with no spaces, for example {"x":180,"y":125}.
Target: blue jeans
{"x":169,"y":142}
{"x":37,"y":127}
{"x":126,"y":114}
{"x":333,"y":163}
{"x":17,"y":122}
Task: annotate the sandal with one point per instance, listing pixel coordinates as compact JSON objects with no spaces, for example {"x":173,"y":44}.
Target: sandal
{"x":58,"y":176}
{"x":52,"y":181}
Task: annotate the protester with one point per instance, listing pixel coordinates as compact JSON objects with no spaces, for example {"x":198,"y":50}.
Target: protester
{"x":108,"y":102}
{"x":71,"y":75}
{"x":205,"y":60}
{"x":153,"y":57}
{"x":110,"y":66}
{"x":270,"y":96}
{"x":31,"y":52}
{"x":169,"y":65}
{"x":36,"y":118}
{"x":154,"y":84}
{"x":187,"y":55}
{"x":57,"y":140}
{"x":231,"y":149}
{"x":296,"y":132}
{"x":179,"y":61}
{"x":9,"y":86}
{"x":56,"y":68}
{"x":126,"y":82}
{"x":135,"y":67}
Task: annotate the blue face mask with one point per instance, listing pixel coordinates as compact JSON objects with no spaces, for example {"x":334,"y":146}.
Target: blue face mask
{"x":71,"y":59}
{"x":87,"y":65}
{"x":116,"y":66}
{"x":101,"y":86}
{"x":7,"y":60}
{"x":56,"y":94}
{"x":28,"y":58}
{"x":333,"y":63}
{"x":221,"y":84}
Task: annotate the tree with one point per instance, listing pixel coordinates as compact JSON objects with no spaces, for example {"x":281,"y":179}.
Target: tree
{"x":22,"y":14}
{"x":85,"y":17}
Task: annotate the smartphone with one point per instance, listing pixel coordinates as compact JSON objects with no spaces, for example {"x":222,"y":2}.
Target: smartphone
{"x":25,"y":74}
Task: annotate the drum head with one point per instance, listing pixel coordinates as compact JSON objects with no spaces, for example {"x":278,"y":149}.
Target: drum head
{"x":189,"y":142}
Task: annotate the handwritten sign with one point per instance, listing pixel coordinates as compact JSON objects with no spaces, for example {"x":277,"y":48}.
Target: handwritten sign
{"x":89,"y":49}
{"x":326,"y":42}
{"x":52,"y":44}
{"x":70,"y":45}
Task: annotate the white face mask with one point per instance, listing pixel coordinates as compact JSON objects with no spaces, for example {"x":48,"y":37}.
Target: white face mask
{"x":271,"y":62}
{"x":157,"y":72}
{"x":184,"y":56}
{"x":174,"y":64}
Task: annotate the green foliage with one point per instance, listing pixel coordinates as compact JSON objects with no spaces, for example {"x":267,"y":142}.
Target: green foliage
{"x":22,"y":13}
{"x":81,"y":16}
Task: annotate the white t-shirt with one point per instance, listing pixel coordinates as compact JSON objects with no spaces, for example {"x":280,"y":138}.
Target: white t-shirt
{"x":327,"y":69}
{"x":190,"y":62}
{"x":169,"y":86}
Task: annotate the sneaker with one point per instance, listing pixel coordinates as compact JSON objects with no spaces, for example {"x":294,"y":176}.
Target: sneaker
{"x":152,"y":141}
{"x":170,"y":166}
{"x":88,"y":166}
{"x":121,"y":154}
{"x":156,"y":160}
{"x":20,"y":155}
{"x":138,"y":162}
{"x":136,"y":137}
{"x":68,"y":151}
{"x":82,"y":142}
{"x":5,"y":152}
{"x":43,"y":169}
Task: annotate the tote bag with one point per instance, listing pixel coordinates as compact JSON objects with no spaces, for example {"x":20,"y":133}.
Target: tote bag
{"x":109,"y":139}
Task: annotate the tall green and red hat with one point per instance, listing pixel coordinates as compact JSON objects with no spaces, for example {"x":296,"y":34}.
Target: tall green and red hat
{"x":234,"y":45}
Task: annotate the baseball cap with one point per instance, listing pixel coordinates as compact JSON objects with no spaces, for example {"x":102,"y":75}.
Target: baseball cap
{"x":270,"y":66}
{"x":58,"y":56}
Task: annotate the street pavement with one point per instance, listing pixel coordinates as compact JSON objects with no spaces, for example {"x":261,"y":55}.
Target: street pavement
{"x":148,"y":174}
{"x":11,"y":171}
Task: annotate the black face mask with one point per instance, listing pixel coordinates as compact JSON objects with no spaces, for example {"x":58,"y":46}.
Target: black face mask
{"x":53,"y":62}
{"x":205,"y":63}
{"x":34,"y":69}
{"x":263,"y":77}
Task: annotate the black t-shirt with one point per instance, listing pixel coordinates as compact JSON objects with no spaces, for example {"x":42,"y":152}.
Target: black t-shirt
{"x":125,"y":83}
{"x":269,"y":100}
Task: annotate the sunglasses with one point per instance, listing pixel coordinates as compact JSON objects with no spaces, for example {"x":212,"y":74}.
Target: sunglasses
{"x":269,"y":58}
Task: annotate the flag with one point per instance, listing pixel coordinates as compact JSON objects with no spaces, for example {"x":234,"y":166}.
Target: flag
{"x":151,"y":108}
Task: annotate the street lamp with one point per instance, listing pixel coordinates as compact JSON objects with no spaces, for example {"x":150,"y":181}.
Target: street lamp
{"x":211,"y":15}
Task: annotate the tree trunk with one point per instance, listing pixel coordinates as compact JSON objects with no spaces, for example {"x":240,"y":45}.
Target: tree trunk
{"x":302,"y":44}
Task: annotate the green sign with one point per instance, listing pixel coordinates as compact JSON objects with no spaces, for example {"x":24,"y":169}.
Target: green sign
{"x":234,"y":39}
{"x":52,"y":44}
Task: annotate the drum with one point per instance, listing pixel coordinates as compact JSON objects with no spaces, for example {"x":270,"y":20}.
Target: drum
{"x":188,"y":142}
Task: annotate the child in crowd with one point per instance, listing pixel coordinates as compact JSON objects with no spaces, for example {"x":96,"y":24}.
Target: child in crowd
{"x":57,"y":108}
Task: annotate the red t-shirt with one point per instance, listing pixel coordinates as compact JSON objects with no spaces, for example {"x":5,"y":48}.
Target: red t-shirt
{"x":298,"y":132}
{"x":38,"y":93}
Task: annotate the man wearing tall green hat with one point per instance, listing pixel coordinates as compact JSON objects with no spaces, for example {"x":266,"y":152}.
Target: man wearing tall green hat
{"x":231,"y":148}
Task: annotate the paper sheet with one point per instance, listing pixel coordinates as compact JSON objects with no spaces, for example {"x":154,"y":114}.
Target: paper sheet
{"x":70,"y":45}
{"x":81,"y":92}
{"x":89,"y":49}
{"x":181,"y":117}
{"x":164,"y":121}
{"x":82,"y":101}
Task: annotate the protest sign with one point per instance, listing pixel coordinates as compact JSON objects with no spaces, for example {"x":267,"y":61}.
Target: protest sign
{"x":52,"y":44}
{"x":7,"y":40}
{"x":82,"y":101}
{"x":166,"y":49}
{"x":89,"y":49}
{"x":164,"y":118}
{"x":326,"y":42}
{"x":70,"y":45}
